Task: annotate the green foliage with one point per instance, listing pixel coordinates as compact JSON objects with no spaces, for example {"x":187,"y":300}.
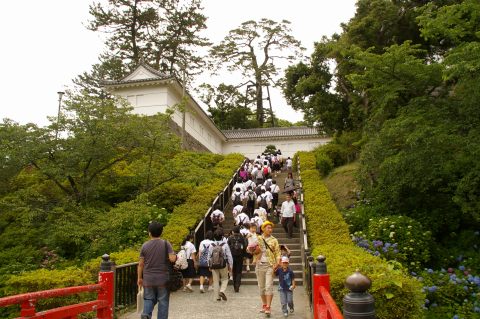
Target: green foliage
{"x":44,"y":279}
{"x":413,"y":241}
{"x":170,"y":195}
{"x":324,"y":163}
{"x":270,"y":149}
{"x":451,"y":293}
{"x":396,"y":294}
{"x":161,"y":33}
{"x":227,"y":106}
{"x":359,"y":217}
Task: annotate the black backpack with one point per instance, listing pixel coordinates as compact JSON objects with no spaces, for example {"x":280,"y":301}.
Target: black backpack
{"x":237,"y":246}
{"x":258,"y":190}
{"x":237,"y":200}
{"x":251,"y":197}
{"x":263,"y":202}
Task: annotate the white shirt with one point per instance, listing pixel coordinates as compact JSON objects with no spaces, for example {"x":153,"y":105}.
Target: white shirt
{"x":237,"y":210}
{"x":288,"y":209}
{"x":258,"y":220}
{"x":267,"y":197}
{"x":242,"y":218}
{"x":189,"y":249}
{"x":244,"y":231}
{"x":204,"y":244}
{"x":239,"y":185}
{"x":270,"y":196}
{"x":262,"y":213}
{"x":249,"y":183}
{"x":237,"y":193}
{"x":289,"y":162}
{"x":274,"y":189}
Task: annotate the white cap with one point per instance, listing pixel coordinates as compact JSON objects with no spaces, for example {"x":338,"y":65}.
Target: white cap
{"x":285,"y":259}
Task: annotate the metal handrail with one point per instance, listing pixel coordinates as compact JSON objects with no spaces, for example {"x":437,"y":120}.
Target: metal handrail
{"x":221,"y":200}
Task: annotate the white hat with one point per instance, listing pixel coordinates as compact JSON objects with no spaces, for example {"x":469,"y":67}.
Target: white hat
{"x":285,"y":259}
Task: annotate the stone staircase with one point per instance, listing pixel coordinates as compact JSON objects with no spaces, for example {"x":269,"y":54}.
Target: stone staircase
{"x":294,"y":244}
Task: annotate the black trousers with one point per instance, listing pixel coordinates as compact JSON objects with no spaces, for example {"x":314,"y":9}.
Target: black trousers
{"x":287,"y":223}
{"x":237,"y":272}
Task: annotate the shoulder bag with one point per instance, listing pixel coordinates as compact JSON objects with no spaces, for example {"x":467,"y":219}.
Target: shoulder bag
{"x":175,"y":278}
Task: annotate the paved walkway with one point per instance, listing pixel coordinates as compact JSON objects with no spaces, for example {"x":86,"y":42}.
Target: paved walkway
{"x":239,"y":305}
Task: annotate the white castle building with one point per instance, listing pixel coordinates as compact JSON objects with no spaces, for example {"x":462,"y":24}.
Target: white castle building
{"x":150,"y":92}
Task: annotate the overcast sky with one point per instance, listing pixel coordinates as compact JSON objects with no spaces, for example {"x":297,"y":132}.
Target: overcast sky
{"x":45,"y":45}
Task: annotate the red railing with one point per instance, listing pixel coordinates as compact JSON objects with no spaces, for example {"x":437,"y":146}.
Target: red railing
{"x":324,"y":307}
{"x":103,"y":305}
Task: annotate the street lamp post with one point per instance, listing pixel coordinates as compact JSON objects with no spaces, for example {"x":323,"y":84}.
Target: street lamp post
{"x":60,"y":96}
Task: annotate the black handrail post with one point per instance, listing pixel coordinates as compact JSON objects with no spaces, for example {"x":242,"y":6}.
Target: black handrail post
{"x":358,"y":303}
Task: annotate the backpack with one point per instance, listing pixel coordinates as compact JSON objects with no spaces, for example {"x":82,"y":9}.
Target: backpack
{"x":268,"y":183}
{"x":265,"y":171}
{"x":240,"y":223}
{"x":263,"y":202}
{"x":258,"y":190}
{"x":217,"y":260}
{"x":251,"y":196}
{"x":181,"y":262}
{"x":237,"y":246}
{"x":259,"y":174}
{"x":203,"y":260}
{"x":216,"y":219}
{"x":237,"y":200}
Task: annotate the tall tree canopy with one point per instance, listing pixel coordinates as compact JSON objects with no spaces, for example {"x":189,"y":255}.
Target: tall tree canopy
{"x":253,"y":50}
{"x":163,"y":33}
{"x":405,"y":74}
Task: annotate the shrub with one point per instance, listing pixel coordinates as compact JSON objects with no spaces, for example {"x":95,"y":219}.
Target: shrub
{"x":43,"y":279}
{"x":396,"y":294}
{"x":323,"y":163}
{"x":169,"y":195}
{"x":450,"y":293}
{"x":413,"y":242}
{"x":359,"y":217}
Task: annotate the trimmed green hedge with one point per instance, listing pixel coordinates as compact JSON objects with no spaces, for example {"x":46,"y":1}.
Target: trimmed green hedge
{"x":397,"y":295}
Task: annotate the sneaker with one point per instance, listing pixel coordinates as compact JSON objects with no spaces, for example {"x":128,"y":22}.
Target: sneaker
{"x":263,"y":308}
{"x":222,"y":295}
{"x":267,"y":310}
{"x":285,"y":314}
{"x":189,"y":288}
{"x":202,"y":290}
{"x":248,"y":268}
{"x":291,"y":310}
{"x":185,"y":288}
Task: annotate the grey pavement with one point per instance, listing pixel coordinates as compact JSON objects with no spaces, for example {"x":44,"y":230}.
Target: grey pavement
{"x":245,"y":304}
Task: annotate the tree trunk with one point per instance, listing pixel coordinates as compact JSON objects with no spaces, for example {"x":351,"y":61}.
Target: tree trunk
{"x":259,"y":99}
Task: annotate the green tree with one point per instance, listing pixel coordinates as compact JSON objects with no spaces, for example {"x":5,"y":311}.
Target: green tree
{"x":254,"y":49}
{"x":163,"y":33}
{"x":227,"y":106}
{"x":94,"y":135}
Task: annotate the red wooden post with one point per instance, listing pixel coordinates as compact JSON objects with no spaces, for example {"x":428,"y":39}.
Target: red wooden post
{"x":320,"y":279}
{"x":27,"y":308}
{"x":106,"y":278}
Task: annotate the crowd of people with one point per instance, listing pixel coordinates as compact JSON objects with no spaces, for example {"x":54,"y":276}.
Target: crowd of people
{"x":221,"y":256}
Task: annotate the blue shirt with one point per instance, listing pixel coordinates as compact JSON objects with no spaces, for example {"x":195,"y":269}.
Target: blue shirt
{"x":285,"y":278}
